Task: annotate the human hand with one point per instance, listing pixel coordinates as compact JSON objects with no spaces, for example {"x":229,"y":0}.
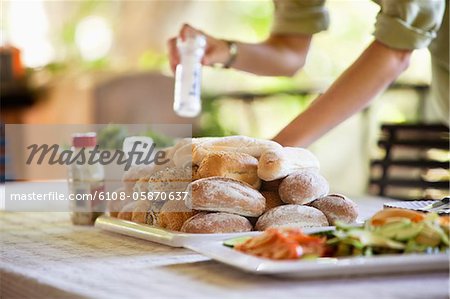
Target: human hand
{"x":217,"y":50}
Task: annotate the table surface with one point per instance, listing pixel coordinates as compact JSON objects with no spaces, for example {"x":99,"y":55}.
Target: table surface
{"x":44,"y":255}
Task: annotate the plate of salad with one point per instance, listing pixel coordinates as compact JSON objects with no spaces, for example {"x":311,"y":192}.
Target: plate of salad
{"x":392,"y":241}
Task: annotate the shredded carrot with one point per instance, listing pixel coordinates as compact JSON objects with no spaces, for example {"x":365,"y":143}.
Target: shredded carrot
{"x":282,"y":244}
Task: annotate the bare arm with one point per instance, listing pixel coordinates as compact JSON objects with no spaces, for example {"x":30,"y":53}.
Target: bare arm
{"x":279,"y":55}
{"x":371,"y":73}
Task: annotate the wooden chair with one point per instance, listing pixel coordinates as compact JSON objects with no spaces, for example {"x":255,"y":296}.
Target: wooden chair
{"x":415,"y":164}
{"x":141,"y":98}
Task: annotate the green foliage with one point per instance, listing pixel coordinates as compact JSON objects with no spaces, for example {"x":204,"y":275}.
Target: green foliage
{"x":159,"y":139}
{"x":111,"y":137}
{"x":210,"y":120}
{"x":152,"y":60}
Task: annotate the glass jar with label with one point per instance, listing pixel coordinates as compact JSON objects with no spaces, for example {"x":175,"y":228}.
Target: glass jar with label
{"x":86,"y":181}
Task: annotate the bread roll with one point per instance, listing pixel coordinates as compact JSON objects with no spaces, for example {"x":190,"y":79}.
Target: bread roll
{"x":336,"y":207}
{"x":298,"y":216}
{"x":303,"y":186}
{"x":115,"y":206}
{"x":272,"y":199}
{"x":170,"y":180}
{"x":216,"y":223}
{"x":225,"y":195}
{"x":139,"y":214}
{"x":195,"y":175}
{"x":281,"y":162}
{"x":132,"y":175}
{"x":141,"y":185}
{"x":181,"y":153}
{"x":183,"y":156}
{"x":270,"y":185}
{"x":241,"y":144}
{"x":238,"y":166}
{"x":127,"y":211}
{"x":146,"y":212}
{"x":173,"y":214}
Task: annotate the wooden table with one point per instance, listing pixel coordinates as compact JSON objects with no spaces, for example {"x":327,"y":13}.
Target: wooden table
{"x":44,"y":255}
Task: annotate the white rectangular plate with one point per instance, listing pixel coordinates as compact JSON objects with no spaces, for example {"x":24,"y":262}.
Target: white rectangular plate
{"x":323,"y":267}
{"x":167,"y":237}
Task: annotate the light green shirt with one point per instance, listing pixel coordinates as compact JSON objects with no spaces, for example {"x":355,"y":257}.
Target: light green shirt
{"x":400,"y":24}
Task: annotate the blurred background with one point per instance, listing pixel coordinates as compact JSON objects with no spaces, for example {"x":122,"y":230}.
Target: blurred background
{"x":87,"y":62}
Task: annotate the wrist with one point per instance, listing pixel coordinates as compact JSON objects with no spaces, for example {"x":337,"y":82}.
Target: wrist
{"x":228,"y":54}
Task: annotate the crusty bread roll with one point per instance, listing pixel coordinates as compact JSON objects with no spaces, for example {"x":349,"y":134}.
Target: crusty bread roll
{"x":141,"y":184}
{"x":139,"y":214}
{"x":242,"y":144}
{"x":272,"y":199}
{"x":127,"y":211}
{"x":195,"y":175}
{"x":173,"y":214}
{"x":336,"y":207}
{"x":239,"y":166}
{"x":132,"y":175}
{"x":291,"y":216}
{"x":216,"y":223}
{"x":303,"y":186}
{"x":181,"y":152}
{"x":136,"y":172}
{"x":270,"y":185}
{"x":183,"y":156}
{"x":146,"y":211}
{"x":115,"y":206}
{"x":225,"y":195}
{"x":280,"y":162}
{"x":170,"y":179}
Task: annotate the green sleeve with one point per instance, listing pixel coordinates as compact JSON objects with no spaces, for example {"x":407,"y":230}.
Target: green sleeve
{"x":300,"y":17}
{"x":408,"y":24}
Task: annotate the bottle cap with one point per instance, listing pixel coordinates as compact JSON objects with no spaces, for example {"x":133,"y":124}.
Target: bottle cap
{"x":84,"y":139}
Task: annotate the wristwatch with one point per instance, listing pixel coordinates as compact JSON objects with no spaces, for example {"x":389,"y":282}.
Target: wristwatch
{"x":232,"y":54}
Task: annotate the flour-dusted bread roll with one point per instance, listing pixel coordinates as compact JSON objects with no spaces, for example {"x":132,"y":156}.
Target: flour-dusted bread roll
{"x":299,"y":216}
{"x":173,"y":214}
{"x":239,"y":166}
{"x":303,"y":186}
{"x":281,"y":162}
{"x":336,"y":207}
{"x":225,"y":195}
{"x":272,"y":199}
{"x":270,"y":185}
{"x":181,"y":153}
{"x":183,"y":156}
{"x":241,"y":144}
{"x":216,"y":223}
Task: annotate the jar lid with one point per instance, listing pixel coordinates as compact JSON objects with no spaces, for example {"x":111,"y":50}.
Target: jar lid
{"x":84,"y":139}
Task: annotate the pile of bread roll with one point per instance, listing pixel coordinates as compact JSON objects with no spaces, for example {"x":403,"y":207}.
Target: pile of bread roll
{"x":235,"y":184}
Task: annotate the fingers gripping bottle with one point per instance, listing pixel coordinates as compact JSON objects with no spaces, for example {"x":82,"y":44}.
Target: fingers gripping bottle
{"x":187,"y":102}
